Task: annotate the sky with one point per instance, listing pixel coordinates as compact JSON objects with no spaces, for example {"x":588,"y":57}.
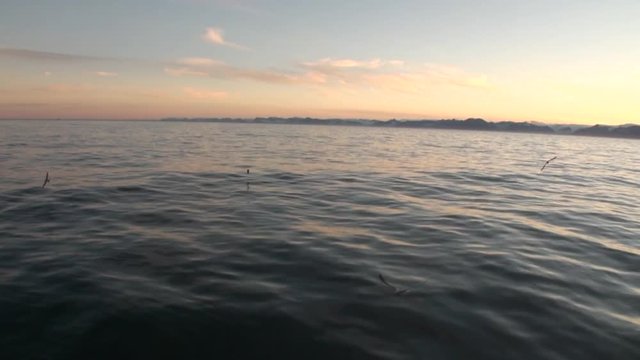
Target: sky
{"x":553,"y":61}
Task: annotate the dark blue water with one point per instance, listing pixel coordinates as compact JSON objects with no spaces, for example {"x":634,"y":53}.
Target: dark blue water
{"x":151,"y":241}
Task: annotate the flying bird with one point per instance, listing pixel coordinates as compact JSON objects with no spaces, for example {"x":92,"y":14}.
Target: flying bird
{"x":396,"y":291}
{"x":46,"y":180}
{"x":547,"y":163}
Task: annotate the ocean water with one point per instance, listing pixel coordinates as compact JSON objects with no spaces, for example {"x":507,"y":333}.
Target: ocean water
{"x":152,"y":241}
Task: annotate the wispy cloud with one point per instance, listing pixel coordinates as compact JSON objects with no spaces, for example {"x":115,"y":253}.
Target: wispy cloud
{"x":455,"y":75}
{"x":216,"y":36}
{"x":199,"y":94}
{"x":184,"y":72}
{"x":194,"y":67}
{"x":388,"y":75}
{"x":199,"y":61}
{"x":329,"y":63}
{"x":106,"y":74}
{"x":394,"y":74}
{"x":64,"y":88}
{"x":249,"y":6}
{"x":205,"y":67}
{"x":34,"y":55}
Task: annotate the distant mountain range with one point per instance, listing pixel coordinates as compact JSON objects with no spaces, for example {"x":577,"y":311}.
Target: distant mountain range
{"x":623,"y":131}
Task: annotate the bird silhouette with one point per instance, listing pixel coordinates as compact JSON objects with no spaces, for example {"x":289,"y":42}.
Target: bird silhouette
{"x":547,"y":163}
{"x":396,"y":291}
{"x":46,"y":180}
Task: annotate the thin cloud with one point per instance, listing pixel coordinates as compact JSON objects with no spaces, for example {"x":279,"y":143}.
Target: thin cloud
{"x":206,"y":67}
{"x":184,"y":72}
{"x":199,"y":61}
{"x":216,"y":36}
{"x":398,"y":63}
{"x":63,"y":88}
{"x":455,"y":75}
{"x":106,"y":74}
{"x":25,"y":104}
{"x":393,"y":75}
{"x":77,"y":61}
{"x":328,"y":63}
{"x":34,"y":55}
{"x":199,"y":94}
{"x":239,"y":5}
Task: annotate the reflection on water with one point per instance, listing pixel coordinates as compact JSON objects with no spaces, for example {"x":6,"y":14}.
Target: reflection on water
{"x":153,"y":241}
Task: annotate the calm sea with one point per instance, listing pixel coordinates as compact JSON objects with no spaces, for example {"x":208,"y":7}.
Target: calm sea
{"x":151,"y":241}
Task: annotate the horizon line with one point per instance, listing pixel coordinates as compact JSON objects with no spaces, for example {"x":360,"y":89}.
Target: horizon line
{"x":309,"y":117}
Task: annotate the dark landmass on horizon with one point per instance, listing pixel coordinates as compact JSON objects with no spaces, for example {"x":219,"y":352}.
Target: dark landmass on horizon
{"x":622,"y":131}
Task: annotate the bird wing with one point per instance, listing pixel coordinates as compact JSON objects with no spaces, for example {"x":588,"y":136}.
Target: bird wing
{"x":396,"y":291}
{"x":386,"y":283}
{"x":547,"y":162}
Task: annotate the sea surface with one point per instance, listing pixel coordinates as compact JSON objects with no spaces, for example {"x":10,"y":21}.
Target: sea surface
{"x":151,"y":241}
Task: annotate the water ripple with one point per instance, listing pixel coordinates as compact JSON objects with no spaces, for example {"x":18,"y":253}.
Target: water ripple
{"x":177,"y":253}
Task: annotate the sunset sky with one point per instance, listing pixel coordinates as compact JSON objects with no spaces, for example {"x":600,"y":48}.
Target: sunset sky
{"x":557,"y":61}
